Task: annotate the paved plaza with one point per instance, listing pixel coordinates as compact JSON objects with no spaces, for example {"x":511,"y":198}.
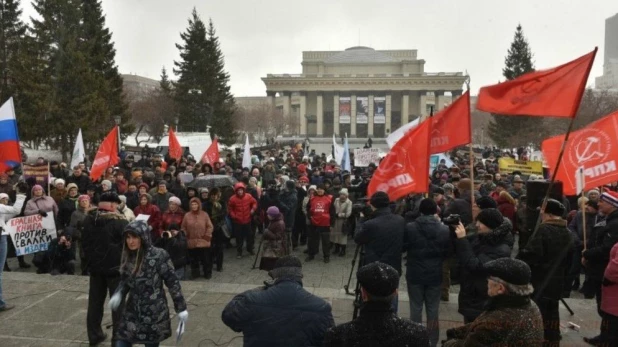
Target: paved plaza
{"x":51,"y":311}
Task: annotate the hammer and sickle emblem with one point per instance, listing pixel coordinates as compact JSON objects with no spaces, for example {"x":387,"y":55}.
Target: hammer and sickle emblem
{"x":588,"y":149}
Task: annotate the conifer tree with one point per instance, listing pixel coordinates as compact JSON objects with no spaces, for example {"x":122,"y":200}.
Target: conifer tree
{"x":12,"y":31}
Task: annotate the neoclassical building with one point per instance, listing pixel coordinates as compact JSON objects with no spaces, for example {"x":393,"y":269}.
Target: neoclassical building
{"x":360,"y":91}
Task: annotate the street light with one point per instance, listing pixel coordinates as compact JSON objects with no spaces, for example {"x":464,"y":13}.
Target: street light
{"x":117,"y":120}
{"x":176,"y":122}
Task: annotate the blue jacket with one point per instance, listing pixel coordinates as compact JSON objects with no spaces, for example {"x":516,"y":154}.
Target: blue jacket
{"x":427,"y":242}
{"x":282,"y":315}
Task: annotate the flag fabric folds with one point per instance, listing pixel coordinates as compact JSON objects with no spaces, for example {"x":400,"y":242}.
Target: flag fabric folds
{"x":549,"y":93}
{"x":337,"y":151}
{"x":174,"y":148}
{"x":398,"y":134}
{"x":345,"y":161}
{"x":595,"y":148}
{"x":404,"y":169}
{"x":246,"y":156}
{"x":451,"y":126}
{"x":10,"y":151}
{"x":79,"y":153}
{"x":211,"y":155}
{"x":107,"y":155}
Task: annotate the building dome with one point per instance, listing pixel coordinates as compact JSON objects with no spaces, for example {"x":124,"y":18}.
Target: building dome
{"x":360,"y":54}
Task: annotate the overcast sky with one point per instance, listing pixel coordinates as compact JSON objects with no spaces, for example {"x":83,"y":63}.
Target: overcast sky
{"x":267,"y":36}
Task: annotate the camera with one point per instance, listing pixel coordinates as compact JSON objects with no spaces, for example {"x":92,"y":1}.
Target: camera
{"x":166,"y":234}
{"x":452,"y":220}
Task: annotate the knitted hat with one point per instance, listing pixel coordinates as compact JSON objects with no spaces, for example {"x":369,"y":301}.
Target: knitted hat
{"x":379,"y":200}
{"x":162,"y":183}
{"x":106,"y":183}
{"x":144,"y":185}
{"x":312,"y":187}
{"x":83,"y":197}
{"x":71,"y":186}
{"x":287,"y":267}
{"x":448,"y":187}
{"x":343,"y":191}
{"x":273,"y":212}
{"x":428,"y":207}
{"x":174,"y":200}
{"x":610,"y":197}
{"x":378,"y":279}
{"x":555,"y":207}
{"x":4,"y":196}
{"x":59,"y":181}
{"x":122,"y":198}
{"x":490,"y":217}
{"x":303,"y":179}
{"x":512,"y":271}
{"x":486,"y":202}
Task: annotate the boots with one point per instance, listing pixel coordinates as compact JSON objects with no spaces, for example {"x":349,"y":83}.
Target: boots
{"x":6,"y":267}
{"x":342,"y":252}
{"x":336,"y":249}
{"x":22,"y":263}
{"x":195,"y":273}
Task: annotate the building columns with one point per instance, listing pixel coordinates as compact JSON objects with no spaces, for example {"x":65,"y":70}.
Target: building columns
{"x":422,"y":104}
{"x":320,"y":115}
{"x":336,"y":115}
{"x":287,"y":104}
{"x":439,"y":101}
{"x":302,"y":114}
{"x":455,"y":94}
{"x":405,"y":107}
{"x":371,"y":115}
{"x":387,"y":125}
{"x":353,"y":120}
{"x":271,"y":98}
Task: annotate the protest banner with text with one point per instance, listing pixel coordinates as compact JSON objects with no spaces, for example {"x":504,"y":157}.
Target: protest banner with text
{"x":31,"y":234}
{"x":365,"y":156}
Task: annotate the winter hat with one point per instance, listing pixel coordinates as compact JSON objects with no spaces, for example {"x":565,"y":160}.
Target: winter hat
{"x":312,"y":187}
{"x":144,"y":185}
{"x":4,"y":196}
{"x":110,"y":197}
{"x":302,"y":168}
{"x":491,"y":217}
{"x":593,"y":204}
{"x":303,"y":179}
{"x":71,"y":186}
{"x":162,"y":183}
{"x":336,"y":181}
{"x":106,"y":183}
{"x":379,"y":200}
{"x":174,"y":200}
{"x":512,"y":271}
{"x":252,"y":180}
{"x":378,"y":279}
{"x":290,"y":185}
{"x":273,"y":212}
{"x":122,"y":198}
{"x":203,"y":190}
{"x":59,"y":181}
{"x":428,"y":207}
{"x":610,"y":198}
{"x":438,"y":191}
{"x":343,"y":191}
{"x":486,"y":202}
{"x":592,"y":191}
{"x":444,"y":177}
{"x":448,"y":187}
{"x":555,"y":207}
{"x":37,"y":186}
{"x":83,"y":197}
{"x":287,"y":267}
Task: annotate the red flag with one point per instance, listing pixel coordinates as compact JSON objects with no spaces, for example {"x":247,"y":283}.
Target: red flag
{"x":174,"y":149}
{"x":211,"y":155}
{"x":405,"y":168}
{"x":107,"y":155}
{"x":595,"y":148}
{"x":550,"y":93}
{"x":451,"y":126}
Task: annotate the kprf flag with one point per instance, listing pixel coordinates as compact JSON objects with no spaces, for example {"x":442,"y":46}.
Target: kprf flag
{"x":549,"y":93}
{"x":174,"y":148}
{"x":246,"y":156}
{"x":10,"y":152}
{"x":451,"y":127}
{"x":337,"y":151}
{"x":211,"y":155}
{"x":79,"y":153}
{"x":107,"y":155}
{"x":345,"y":162}
{"x":404,"y":169}
{"x":595,"y":148}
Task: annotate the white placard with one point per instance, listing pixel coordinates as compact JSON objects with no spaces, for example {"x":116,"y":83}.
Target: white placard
{"x":144,"y":217}
{"x":365,"y":156}
{"x":32,"y":234}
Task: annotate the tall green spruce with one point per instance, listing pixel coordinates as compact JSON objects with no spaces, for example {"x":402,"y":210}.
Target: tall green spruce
{"x":515,"y":131}
{"x":12,"y":30}
{"x":202,"y":91}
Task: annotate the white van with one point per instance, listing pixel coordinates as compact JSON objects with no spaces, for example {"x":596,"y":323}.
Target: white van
{"x":194,"y":143}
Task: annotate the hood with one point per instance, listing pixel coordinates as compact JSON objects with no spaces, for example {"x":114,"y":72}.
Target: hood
{"x":141,"y":229}
{"x":147,"y":197}
{"x":239,"y":185}
{"x":501,"y":234}
{"x":196,"y":199}
{"x":193,"y":189}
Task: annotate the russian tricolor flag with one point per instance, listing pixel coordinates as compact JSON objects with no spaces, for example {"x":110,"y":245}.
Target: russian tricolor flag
{"x":10,"y":152}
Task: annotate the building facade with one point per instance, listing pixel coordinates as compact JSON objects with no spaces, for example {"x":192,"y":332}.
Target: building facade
{"x":360,"y":92}
{"x":609,"y":80}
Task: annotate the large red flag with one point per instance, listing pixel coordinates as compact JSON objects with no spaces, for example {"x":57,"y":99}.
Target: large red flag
{"x":211,"y":155}
{"x":174,"y":149}
{"x":595,"y":148}
{"x":405,"y":169}
{"x":451,"y":126}
{"x":107,"y":155}
{"x":549,"y":93}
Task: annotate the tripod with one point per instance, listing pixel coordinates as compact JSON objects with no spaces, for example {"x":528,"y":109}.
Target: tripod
{"x":357,"y":292}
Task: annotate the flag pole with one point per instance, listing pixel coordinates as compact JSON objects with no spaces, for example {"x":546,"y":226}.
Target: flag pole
{"x":471,"y":152}
{"x":583,"y":207}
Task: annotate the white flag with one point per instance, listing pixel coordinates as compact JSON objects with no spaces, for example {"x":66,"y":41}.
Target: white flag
{"x":79,"y":154}
{"x":338,"y":151}
{"x":246,"y":156}
{"x":396,"y":135}
{"x":345,"y":163}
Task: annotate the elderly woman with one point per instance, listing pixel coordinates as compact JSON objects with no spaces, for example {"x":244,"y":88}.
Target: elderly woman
{"x":40,"y":203}
{"x":275,"y":245}
{"x":343,"y":211}
{"x":59,"y":192}
{"x":198,"y":228}
{"x":7,"y":212}
{"x":173,"y":215}
{"x":77,"y":220}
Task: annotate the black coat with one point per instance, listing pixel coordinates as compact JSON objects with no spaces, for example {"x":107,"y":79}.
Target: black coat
{"x":65,"y":209}
{"x":176,"y":247}
{"x":288,"y":201}
{"x":473,"y":252}
{"x":605,"y":236}
{"x":377,"y":325}
{"x":462,"y":207}
{"x":82,"y":182}
{"x":382,"y":236}
{"x":102,"y":241}
{"x":282,"y":315}
{"x":549,"y":253}
{"x":427,"y":242}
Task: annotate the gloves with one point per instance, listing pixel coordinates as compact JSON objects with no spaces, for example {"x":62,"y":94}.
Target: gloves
{"x":115,"y":301}
{"x":43,"y":214}
{"x":183,"y":316}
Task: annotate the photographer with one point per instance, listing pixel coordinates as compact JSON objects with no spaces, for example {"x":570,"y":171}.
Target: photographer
{"x":174,"y":241}
{"x":59,"y":257}
{"x":381,"y":234}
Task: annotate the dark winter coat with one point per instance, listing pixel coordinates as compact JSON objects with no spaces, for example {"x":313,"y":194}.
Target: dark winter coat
{"x":275,"y":239}
{"x":282,"y":315}
{"x":377,"y":325}
{"x":176,"y":247}
{"x":549,"y":253}
{"x":606,"y":236}
{"x":66,"y":207}
{"x":576,"y":226}
{"x":462,"y":207}
{"x":427,"y":242}
{"x":82,"y":182}
{"x":102,"y":241}
{"x":382,"y":236}
{"x":132,"y":200}
{"x":473,"y":252}
{"x":288,"y":200}
{"x":146,"y":317}
{"x":162,"y":200}
{"x":506,"y":321}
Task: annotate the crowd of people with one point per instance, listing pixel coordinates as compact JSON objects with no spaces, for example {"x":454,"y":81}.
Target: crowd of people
{"x":475,"y":232}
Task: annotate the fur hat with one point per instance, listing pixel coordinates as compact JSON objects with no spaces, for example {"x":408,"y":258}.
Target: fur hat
{"x":110,"y":197}
{"x":379,"y":200}
{"x":106,"y":183}
{"x":175,"y":200}
{"x":555,"y":207}
{"x":428,"y":207}
{"x":490,"y":217}
{"x":486,"y":202}
{"x":511,"y":271}
{"x":58,"y":181}
{"x":71,"y":186}
{"x":378,"y":279}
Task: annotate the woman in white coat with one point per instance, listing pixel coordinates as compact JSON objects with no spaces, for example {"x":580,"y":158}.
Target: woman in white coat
{"x":7,"y":212}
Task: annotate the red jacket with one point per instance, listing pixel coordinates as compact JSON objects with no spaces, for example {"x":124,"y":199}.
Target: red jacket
{"x":609,"y":299}
{"x":507,"y":209}
{"x":242,"y":208}
{"x":320,"y":210}
{"x":122,"y":186}
{"x":170,"y":217}
{"x":155,"y":217}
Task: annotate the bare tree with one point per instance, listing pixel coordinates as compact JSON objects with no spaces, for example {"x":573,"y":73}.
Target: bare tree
{"x":150,"y":114}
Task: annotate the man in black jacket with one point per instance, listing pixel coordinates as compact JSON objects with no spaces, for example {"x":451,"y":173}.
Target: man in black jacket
{"x":382,"y":235}
{"x":78,"y":177}
{"x":377,"y":324}
{"x":549,"y":253}
{"x":282,"y":313}
{"x":427,"y":242}
{"x":102,"y":242}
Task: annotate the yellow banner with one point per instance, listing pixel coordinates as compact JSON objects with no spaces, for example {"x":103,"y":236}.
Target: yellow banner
{"x":508,"y":165}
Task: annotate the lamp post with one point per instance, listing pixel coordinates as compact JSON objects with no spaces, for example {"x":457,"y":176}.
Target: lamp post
{"x":176,"y":122}
{"x":117,"y":120}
